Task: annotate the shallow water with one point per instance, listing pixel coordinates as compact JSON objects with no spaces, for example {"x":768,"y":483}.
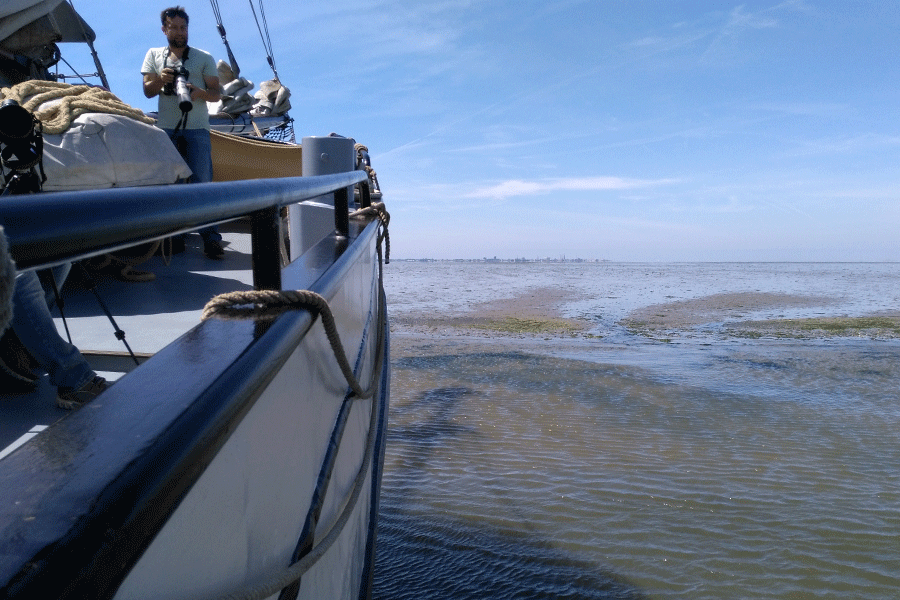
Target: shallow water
{"x":614,"y":464}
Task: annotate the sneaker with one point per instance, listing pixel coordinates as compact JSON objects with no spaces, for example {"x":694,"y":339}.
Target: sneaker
{"x":70,"y":399}
{"x":213,"y":249}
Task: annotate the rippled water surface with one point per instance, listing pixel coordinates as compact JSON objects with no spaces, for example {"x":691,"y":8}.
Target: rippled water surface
{"x":615,"y":464}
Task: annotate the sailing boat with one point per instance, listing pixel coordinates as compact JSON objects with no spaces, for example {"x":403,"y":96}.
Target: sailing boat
{"x":236,"y":456}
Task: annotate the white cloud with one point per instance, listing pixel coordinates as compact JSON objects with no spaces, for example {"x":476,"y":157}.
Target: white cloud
{"x":517,"y":187}
{"x":848,"y":144}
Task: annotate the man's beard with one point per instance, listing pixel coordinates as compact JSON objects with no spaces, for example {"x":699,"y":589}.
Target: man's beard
{"x":179,"y":43}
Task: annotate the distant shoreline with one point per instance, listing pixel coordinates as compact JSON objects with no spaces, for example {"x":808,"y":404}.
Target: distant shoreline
{"x":505,"y":260}
{"x":642,"y":262}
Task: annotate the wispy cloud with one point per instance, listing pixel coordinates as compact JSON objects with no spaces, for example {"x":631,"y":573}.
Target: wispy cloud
{"x":861,"y":143}
{"x":657,"y":44}
{"x":802,"y":109}
{"x":719,"y":29}
{"x":518,"y":187}
{"x":741,"y":21}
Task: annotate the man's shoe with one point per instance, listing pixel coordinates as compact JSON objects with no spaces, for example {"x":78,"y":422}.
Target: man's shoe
{"x":70,"y":399}
{"x":213,"y":249}
{"x":15,"y":360}
{"x":15,"y":383}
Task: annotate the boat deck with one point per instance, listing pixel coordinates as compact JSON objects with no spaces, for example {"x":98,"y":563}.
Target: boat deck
{"x":152,"y":314}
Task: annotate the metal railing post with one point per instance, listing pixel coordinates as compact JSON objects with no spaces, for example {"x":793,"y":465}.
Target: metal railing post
{"x":265,"y":230}
{"x":342,"y":212}
{"x":365,"y":197}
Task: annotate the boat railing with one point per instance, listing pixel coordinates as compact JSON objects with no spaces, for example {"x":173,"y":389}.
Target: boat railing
{"x":134,"y":456}
{"x":56,"y":227}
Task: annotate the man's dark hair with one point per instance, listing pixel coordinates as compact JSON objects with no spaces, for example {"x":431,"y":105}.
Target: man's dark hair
{"x":171,"y":13}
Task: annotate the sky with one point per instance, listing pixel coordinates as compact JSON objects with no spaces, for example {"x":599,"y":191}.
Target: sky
{"x":631,"y":130}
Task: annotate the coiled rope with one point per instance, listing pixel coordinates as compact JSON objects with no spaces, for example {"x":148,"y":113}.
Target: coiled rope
{"x":7,"y":282}
{"x":74,"y":101}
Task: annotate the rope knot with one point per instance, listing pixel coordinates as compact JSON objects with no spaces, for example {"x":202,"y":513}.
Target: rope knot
{"x":378,"y":209}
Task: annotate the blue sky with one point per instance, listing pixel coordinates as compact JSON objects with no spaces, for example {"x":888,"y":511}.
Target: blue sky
{"x":639,"y":130}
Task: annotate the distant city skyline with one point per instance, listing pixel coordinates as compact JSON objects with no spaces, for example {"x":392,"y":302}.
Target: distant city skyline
{"x":631,"y":131}
{"x":520,"y":259}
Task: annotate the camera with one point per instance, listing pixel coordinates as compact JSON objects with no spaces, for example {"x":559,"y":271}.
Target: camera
{"x":21,"y":142}
{"x":21,"y":148}
{"x":180,"y":88}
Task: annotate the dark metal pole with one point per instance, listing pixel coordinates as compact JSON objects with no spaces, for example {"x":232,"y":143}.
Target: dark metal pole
{"x":365,"y":197}
{"x":99,"y":66}
{"x":265,"y":230}
{"x":342,"y":212}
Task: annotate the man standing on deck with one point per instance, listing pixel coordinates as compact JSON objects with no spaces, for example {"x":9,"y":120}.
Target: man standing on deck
{"x":188,"y":131}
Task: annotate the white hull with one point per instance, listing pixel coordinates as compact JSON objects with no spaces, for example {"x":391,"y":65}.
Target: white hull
{"x":244,"y":515}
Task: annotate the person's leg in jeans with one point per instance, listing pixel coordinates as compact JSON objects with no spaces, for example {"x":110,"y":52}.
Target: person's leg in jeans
{"x":35,"y":328}
{"x":197,"y":153}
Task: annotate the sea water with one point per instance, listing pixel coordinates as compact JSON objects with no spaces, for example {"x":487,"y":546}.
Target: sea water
{"x":695,"y":458}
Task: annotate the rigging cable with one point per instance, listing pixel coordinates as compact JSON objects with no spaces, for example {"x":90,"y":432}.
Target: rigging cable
{"x":266,"y":39}
{"x":231,"y":59}
{"x":78,"y":75}
{"x":90,"y":44}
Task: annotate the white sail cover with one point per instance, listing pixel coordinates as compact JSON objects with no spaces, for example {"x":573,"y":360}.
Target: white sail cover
{"x":101,"y":151}
{"x":28,"y":23}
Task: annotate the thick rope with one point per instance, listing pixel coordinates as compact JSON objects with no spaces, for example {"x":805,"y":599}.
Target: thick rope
{"x":268,"y":304}
{"x":74,"y":101}
{"x":276,"y":580}
{"x":7,"y":282}
{"x":368,"y":168}
{"x":377,"y":209}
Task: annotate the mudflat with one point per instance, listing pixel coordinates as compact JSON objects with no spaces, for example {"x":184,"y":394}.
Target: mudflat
{"x":731,"y":313}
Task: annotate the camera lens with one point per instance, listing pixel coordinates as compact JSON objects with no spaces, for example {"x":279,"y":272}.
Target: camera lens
{"x":15,"y":122}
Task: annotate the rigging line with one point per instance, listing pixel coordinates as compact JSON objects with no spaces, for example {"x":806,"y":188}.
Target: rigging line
{"x":235,"y":69}
{"x":216,"y":13}
{"x":77,"y":74}
{"x":262,"y":13}
{"x":266,"y":46}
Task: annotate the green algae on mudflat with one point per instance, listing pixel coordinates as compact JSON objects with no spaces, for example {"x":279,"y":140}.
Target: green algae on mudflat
{"x":875,"y":327}
{"x":518,"y":325}
{"x":871,"y":326}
